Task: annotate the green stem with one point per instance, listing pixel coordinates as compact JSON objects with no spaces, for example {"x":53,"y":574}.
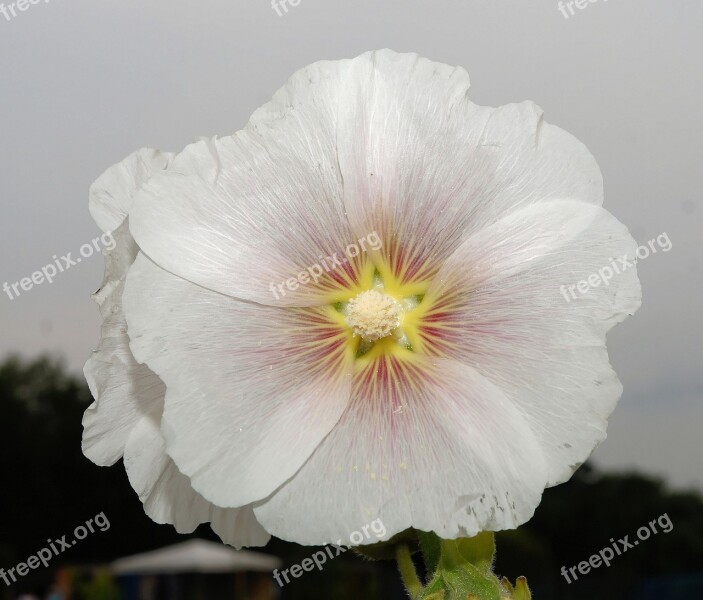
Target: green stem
{"x":407,"y":571}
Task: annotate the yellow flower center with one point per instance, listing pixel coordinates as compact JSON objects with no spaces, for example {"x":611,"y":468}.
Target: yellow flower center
{"x":373,"y":315}
{"x":381,"y":315}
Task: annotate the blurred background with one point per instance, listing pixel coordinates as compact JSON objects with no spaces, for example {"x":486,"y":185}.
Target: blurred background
{"x":83,"y":84}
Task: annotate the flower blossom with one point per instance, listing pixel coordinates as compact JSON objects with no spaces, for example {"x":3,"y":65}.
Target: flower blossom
{"x":437,"y":380}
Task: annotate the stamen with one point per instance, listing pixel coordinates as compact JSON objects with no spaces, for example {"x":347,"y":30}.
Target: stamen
{"x":373,"y":315}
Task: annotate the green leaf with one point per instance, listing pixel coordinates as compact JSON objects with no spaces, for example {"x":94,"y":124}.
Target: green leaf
{"x":479,"y":550}
{"x":464,"y":568}
{"x":466,"y":579}
{"x":522,"y":591}
{"x":459,"y":569}
{"x":431,"y":546}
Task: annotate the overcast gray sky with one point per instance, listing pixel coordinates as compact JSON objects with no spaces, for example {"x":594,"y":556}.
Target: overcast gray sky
{"x":84,"y":83}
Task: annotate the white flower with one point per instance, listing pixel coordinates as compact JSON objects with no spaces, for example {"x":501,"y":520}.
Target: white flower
{"x":440,"y":381}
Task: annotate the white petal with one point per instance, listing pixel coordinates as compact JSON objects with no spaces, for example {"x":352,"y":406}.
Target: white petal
{"x":123,"y":389}
{"x":499,"y":305}
{"x":431,"y":445}
{"x":125,"y":417}
{"x":112,"y":193}
{"x":243,"y":213}
{"x":169,"y":498}
{"x":251,"y":389}
{"x":167,"y":494}
{"x":238,"y":527}
{"x":426,"y":167}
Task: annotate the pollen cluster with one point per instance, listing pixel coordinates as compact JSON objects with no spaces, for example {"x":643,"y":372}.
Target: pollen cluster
{"x":373,"y":315}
